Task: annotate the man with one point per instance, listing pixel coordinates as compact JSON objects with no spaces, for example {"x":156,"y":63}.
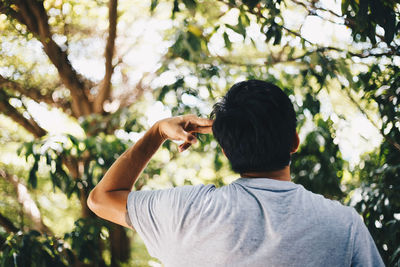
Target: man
{"x":261,"y":219}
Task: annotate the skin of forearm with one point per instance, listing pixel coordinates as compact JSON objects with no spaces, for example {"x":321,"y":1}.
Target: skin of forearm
{"x":108,"y":199}
{"x":123,"y":174}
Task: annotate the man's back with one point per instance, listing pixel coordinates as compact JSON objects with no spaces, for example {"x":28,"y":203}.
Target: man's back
{"x":251,"y":222}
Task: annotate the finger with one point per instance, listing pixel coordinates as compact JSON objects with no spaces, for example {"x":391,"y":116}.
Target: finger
{"x":193,"y":127}
{"x":187,"y":137}
{"x":193,"y":119}
{"x":202,"y":130}
{"x":183,"y":147}
{"x":202,"y":121}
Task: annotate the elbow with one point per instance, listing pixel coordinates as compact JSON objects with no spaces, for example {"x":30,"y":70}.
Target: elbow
{"x":92,"y":201}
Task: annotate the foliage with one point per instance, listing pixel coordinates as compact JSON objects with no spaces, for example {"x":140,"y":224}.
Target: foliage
{"x":318,"y":165}
{"x":54,"y":149}
{"x":381,"y":174}
{"x":34,"y":249}
{"x":365,"y":16}
{"x":86,"y":238}
{"x":380,"y":204}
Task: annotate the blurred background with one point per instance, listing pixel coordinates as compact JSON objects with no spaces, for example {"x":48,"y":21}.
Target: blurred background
{"x":80,"y":82}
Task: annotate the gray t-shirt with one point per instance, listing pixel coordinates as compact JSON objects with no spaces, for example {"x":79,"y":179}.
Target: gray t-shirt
{"x":250,"y":222}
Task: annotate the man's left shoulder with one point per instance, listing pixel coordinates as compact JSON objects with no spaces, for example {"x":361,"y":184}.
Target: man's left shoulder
{"x":332,"y":208}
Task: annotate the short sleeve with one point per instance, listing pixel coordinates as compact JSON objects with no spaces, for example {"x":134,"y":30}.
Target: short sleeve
{"x":157,"y":215}
{"x":365,"y":252}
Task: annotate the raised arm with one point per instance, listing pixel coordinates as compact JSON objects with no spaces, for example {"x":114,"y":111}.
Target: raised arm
{"x":108,"y":199}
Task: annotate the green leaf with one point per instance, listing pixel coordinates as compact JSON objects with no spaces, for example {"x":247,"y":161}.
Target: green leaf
{"x":278,"y":37}
{"x":194,"y":42}
{"x":190,"y":4}
{"x":233,"y":28}
{"x":175,"y":8}
{"x":73,"y":139}
{"x":153,"y":5}
{"x":7,"y":256}
{"x":390,"y":27}
{"x":48,"y":159}
{"x":32,"y":175}
{"x":241,"y":25}
{"x":345,"y":6}
{"x":228,"y":43}
{"x":251,"y":3}
{"x":164,"y":90}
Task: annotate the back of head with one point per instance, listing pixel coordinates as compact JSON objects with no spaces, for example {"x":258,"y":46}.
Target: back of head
{"x":255,"y":124}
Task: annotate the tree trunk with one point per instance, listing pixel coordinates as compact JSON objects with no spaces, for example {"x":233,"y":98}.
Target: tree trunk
{"x":120,"y":245}
{"x":86,"y":212}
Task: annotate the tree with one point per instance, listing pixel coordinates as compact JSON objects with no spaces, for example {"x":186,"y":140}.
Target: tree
{"x":211,"y":45}
{"x":31,"y":20}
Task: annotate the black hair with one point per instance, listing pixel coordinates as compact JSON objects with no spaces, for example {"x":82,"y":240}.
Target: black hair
{"x":255,"y":124}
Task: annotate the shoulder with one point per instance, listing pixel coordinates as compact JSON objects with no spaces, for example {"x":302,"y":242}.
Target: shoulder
{"x":148,"y":205}
{"x":175,"y":194}
{"x":331,"y":209}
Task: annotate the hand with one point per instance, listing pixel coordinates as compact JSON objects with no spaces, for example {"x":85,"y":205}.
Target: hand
{"x":182,"y":128}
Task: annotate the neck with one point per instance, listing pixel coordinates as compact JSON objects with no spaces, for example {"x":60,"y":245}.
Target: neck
{"x":281,"y":175}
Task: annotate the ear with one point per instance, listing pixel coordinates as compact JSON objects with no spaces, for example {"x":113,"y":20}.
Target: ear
{"x":223,"y":151}
{"x":296,"y":143}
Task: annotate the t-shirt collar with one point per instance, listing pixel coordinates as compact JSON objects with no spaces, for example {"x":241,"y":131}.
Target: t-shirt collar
{"x":267,"y":183}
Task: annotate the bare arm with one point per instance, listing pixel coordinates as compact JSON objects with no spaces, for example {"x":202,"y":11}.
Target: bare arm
{"x":108,"y":199}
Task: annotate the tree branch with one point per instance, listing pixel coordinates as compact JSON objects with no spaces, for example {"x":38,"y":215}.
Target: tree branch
{"x":105,"y":88}
{"x":29,"y":206}
{"x":311,"y":9}
{"x":7,"y":224}
{"x":29,"y":124}
{"x":362,"y":54}
{"x":128,"y":98}
{"x":33,"y":93}
{"x":32,"y":14}
{"x":381,"y":131}
{"x":274,"y":60}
